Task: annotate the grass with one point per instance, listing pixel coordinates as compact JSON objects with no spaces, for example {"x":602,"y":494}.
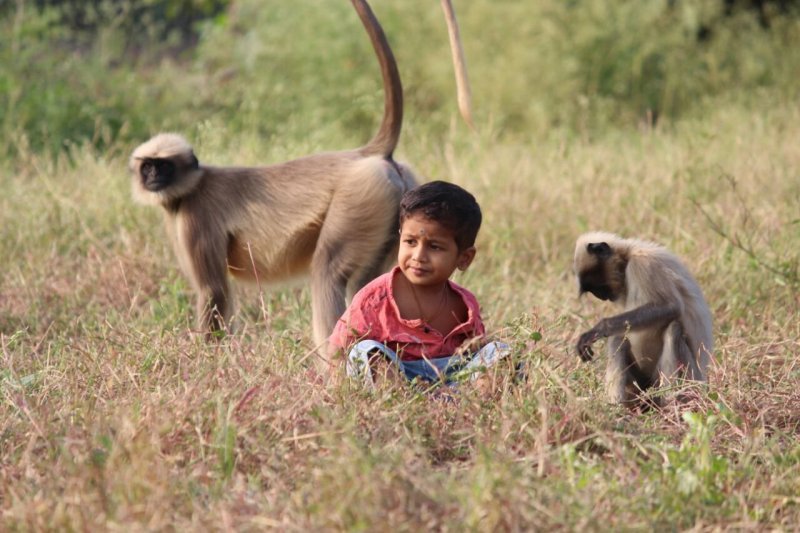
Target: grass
{"x":112,"y":416}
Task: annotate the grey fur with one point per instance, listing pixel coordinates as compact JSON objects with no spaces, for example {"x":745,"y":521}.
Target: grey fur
{"x":665,"y":329}
{"x":333,"y":214}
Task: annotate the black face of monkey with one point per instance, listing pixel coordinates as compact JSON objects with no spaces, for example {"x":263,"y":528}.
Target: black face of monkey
{"x":157,"y":174}
{"x":160,"y":173}
{"x":594,"y":281}
{"x":596,"y":278}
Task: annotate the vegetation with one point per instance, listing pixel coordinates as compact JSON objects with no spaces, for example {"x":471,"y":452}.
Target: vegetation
{"x":590,"y":114}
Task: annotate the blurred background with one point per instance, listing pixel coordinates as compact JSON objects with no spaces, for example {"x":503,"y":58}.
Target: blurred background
{"x":107,"y":71}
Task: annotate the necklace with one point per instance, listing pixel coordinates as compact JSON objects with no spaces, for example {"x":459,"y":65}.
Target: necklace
{"x":442,"y":302}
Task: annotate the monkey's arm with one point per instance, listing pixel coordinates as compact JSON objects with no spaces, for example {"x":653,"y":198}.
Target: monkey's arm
{"x":642,"y":317}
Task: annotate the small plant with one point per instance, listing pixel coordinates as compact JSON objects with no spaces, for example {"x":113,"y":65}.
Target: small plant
{"x":697,"y":471}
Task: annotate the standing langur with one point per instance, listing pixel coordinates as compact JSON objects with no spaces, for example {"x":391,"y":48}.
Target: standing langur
{"x":664,"y":331}
{"x":334,"y":214}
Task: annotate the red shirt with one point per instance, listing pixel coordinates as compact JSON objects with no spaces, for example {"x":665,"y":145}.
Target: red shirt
{"x":373,"y":315}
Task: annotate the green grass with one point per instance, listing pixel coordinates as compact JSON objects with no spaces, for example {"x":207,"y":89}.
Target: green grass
{"x":112,"y":416}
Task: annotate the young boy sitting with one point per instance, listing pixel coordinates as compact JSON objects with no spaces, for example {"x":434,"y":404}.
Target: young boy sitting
{"x":414,"y":318}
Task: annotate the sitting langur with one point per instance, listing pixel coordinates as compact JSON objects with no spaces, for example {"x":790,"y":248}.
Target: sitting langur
{"x":664,"y":331}
{"x":459,"y":63}
{"x":334,"y":214}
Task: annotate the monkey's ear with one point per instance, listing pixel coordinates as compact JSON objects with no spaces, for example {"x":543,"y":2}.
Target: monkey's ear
{"x":194,"y":164}
{"x":599,"y":249}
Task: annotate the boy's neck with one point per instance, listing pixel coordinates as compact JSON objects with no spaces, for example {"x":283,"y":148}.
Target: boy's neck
{"x":426,"y":291}
{"x":438,"y":306}
{"x":422,"y":295}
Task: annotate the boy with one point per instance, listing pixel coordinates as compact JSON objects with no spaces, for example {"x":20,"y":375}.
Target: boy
{"x":414,"y":317}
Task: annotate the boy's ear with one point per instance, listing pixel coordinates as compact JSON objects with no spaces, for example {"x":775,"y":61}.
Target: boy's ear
{"x":465,"y":258}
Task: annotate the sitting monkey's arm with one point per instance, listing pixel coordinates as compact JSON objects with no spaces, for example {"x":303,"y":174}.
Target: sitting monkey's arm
{"x":643,"y":317}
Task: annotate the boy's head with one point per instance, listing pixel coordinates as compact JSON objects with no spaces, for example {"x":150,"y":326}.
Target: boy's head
{"x":448,"y":205}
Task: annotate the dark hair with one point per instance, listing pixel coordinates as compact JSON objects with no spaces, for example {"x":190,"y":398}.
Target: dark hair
{"x":449,"y":205}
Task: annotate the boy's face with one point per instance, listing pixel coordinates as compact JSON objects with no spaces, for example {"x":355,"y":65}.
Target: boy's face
{"x":428,"y":252}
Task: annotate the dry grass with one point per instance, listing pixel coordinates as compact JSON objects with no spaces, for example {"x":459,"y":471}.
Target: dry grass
{"x":113,"y":417}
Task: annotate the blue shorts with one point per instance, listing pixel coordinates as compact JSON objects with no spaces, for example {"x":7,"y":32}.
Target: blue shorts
{"x":447,"y":369}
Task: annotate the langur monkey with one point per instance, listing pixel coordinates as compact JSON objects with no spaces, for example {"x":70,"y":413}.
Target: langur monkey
{"x":663,"y":333}
{"x":334,"y":214}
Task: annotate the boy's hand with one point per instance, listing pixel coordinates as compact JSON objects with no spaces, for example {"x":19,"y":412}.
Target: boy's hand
{"x":332,"y":366}
{"x":472,"y":345}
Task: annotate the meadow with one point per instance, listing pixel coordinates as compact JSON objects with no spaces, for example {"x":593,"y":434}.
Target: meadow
{"x":668,"y":121}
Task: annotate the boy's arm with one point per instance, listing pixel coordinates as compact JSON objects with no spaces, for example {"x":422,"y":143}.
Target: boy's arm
{"x":341,"y":338}
{"x":359,"y":321}
{"x":478,"y":339}
{"x":334,"y":358}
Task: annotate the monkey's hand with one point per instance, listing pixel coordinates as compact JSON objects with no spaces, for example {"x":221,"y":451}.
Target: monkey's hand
{"x":585,"y":344}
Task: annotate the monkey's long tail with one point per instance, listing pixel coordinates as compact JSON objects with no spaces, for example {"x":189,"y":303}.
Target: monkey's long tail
{"x":385,"y":140}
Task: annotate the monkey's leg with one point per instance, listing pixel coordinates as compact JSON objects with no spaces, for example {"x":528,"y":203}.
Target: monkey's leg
{"x":678,"y":363}
{"x":387,"y":228}
{"x":328,"y":286}
{"x":357,"y":227}
{"x":383,"y":261}
{"x":677,"y":360}
{"x":334,"y":263}
{"x":619,"y":380}
{"x":203,"y":258}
